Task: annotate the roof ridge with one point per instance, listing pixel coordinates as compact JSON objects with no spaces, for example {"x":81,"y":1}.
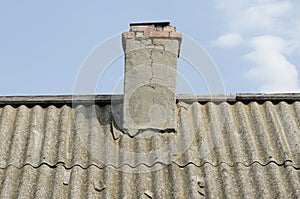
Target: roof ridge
{"x":77,"y":99}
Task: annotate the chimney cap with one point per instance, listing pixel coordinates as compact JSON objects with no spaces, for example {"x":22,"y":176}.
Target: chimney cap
{"x":161,"y":24}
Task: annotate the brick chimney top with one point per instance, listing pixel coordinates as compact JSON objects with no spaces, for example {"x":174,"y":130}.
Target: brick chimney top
{"x":158,"y":33}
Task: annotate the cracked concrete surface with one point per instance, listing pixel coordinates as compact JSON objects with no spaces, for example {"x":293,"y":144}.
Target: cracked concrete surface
{"x":150,"y":90}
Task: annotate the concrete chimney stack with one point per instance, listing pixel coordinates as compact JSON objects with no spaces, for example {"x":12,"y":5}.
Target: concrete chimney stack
{"x":151,"y":52}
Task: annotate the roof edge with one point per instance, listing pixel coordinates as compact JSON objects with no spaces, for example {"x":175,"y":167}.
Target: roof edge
{"x":267,"y":96}
{"x":103,"y":99}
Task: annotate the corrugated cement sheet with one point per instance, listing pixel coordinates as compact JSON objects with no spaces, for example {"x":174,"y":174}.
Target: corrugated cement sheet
{"x":225,"y":150}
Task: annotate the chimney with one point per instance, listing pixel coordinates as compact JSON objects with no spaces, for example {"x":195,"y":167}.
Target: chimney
{"x":151,"y":52}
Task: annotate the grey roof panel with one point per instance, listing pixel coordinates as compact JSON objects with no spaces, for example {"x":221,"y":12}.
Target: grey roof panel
{"x":270,"y":181}
{"x":214,"y":133}
{"x":235,"y":149}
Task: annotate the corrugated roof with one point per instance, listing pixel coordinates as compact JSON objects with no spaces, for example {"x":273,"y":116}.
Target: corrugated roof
{"x":242,"y":147}
{"x":223,"y":181}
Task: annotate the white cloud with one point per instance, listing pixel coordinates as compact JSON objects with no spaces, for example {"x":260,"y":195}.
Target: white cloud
{"x":255,"y":15}
{"x":271,"y":69}
{"x":264,"y":18}
{"x":229,"y":40}
{"x":261,"y":17}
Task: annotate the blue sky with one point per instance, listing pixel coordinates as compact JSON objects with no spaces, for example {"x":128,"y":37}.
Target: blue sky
{"x":254,"y":43}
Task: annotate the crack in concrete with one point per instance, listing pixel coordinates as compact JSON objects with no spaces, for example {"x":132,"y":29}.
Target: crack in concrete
{"x":151,"y":68}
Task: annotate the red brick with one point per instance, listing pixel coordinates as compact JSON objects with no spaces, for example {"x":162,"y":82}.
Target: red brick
{"x":159,"y":41}
{"x":128,"y":35}
{"x":158,"y":34}
{"x":150,"y":28}
{"x":139,"y":34}
{"x":169,"y":28}
{"x":159,"y":28}
{"x":138,"y":28}
{"x":175,"y":35}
